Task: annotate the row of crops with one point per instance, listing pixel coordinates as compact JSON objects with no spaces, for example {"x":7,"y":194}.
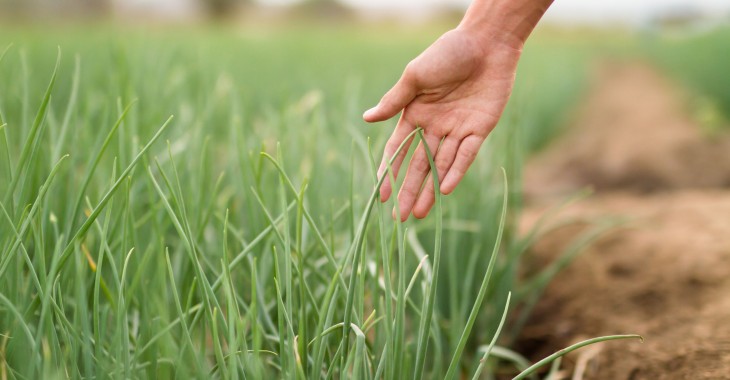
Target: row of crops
{"x":198,"y":203}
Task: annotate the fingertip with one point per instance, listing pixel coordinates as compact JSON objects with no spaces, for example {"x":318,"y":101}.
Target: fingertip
{"x":420,"y":214}
{"x":423,"y":206}
{"x":384,"y":196}
{"x":448,"y":185}
{"x":369,"y":115}
{"x":381,"y":171}
{"x":466,"y":154}
{"x":385,"y":191}
{"x":377,"y":114}
{"x":403,"y":214}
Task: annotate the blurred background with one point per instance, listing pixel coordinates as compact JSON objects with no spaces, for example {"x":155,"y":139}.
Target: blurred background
{"x":616,"y":96}
{"x":623,"y":12}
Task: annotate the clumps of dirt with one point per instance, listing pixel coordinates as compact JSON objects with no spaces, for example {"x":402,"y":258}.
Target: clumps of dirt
{"x":633,"y":133}
{"x":666,"y":275}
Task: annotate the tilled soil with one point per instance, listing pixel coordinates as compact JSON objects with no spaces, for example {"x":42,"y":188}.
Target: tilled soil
{"x":666,"y":274}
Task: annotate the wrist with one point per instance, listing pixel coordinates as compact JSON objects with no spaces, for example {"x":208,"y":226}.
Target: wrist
{"x":504,"y":22}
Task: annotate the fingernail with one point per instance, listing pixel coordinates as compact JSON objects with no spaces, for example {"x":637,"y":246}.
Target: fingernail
{"x":369,"y":113}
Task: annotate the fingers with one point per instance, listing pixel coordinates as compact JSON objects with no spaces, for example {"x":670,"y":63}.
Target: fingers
{"x":417,"y":171}
{"x":464,"y":157}
{"x":443,"y":161}
{"x":393,"y":101}
{"x":399,"y":134}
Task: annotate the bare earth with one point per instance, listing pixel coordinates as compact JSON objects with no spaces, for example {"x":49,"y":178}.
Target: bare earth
{"x":667,"y":277}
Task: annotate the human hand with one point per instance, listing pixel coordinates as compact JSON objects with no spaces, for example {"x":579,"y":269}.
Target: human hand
{"x":456,"y":91}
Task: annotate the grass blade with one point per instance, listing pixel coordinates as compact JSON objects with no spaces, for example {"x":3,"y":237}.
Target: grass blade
{"x":32,"y":142}
{"x":569,"y":349}
{"x":451,"y":372}
{"x":432,"y":285}
{"x":488,"y":351}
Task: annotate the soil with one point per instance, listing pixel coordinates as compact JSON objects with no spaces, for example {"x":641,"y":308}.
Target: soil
{"x":666,"y":275}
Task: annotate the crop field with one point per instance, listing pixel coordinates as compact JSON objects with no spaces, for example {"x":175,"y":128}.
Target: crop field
{"x":199,"y":203}
{"x":699,"y":61}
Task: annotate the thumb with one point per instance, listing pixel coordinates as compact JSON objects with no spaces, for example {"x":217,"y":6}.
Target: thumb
{"x":393,"y":101}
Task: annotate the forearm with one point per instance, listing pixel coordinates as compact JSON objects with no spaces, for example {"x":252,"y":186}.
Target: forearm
{"x":506,"y":21}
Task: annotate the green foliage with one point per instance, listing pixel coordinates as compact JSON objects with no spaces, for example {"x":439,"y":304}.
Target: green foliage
{"x":699,"y":60}
{"x":251,"y":245}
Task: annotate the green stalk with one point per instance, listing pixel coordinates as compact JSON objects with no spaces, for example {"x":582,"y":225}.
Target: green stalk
{"x":453,"y":366}
{"x":355,"y":251}
{"x":181,"y":317}
{"x":488,"y":351}
{"x":92,"y":169}
{"x":385,"y":258}
{"x":569,"y":349}
{"x":31,"y":143}
{"x":431,"y":286}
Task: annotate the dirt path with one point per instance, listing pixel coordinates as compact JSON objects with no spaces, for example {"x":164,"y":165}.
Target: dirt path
{"x":668,"y":276}
{"x":633,"y":133}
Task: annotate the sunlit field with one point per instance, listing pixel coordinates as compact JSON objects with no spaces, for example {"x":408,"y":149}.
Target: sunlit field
{"x":198,"y":202}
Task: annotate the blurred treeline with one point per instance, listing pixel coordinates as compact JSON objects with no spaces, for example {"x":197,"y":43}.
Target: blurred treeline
{"x":10,"y":8}
{"x":213,"y":9}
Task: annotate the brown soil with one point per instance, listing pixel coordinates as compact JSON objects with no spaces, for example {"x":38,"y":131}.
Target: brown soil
{"x":667,"y":277}
{"x":632,"y":133}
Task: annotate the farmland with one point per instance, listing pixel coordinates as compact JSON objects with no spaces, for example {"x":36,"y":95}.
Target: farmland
{"x":186,"y":254}
{"x":199,"y":203}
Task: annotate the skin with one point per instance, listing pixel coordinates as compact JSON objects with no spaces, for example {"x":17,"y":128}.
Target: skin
{"x":456,"y":90}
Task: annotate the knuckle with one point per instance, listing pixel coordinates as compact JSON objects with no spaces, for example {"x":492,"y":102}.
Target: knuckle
{"x":390,"y":147}
{"x":410,"y":67}
{"x":470,"y":148}
{"x":406,"y":196}
{"x":442,"y":161}
{"x":420,"y":165}
{"x":388,"y":100}
{"x":411,"y":71}
{"x":458,"y":172}
{"x":468,"y":154}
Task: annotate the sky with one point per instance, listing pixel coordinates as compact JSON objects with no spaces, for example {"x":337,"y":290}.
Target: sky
{"x":562,"y":11}
{"x":577,"y":11}
{"x":628,"y":10}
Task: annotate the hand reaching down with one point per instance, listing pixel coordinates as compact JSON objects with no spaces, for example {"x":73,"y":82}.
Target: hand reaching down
{"x":456,"y":91}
